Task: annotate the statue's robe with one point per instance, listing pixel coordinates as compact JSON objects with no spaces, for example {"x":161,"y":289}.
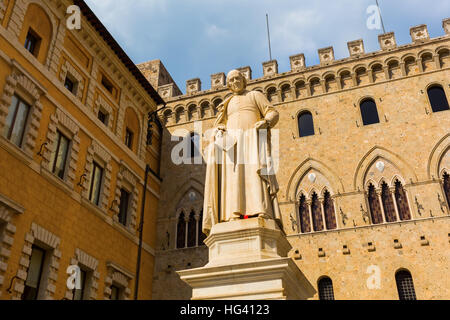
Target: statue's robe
{"x":244,"y":183}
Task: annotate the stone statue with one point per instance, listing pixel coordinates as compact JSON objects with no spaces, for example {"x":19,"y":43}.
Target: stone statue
{"x":240,"y":180}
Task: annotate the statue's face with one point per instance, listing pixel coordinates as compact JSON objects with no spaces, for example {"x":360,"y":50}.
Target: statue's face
{"x":236,"y":82}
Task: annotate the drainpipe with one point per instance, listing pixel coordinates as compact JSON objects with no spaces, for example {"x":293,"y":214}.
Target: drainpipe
{"x":141,"y":229}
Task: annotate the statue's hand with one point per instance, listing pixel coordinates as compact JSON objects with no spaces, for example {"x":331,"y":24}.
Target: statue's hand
{"x":221,"y":127}
{"x":262,"y":124}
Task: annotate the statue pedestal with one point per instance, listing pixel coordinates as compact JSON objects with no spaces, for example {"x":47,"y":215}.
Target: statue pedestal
{"x":248,"y":260}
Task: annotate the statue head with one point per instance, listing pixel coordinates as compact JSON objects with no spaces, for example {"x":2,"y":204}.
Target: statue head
{"x":236,"y":82}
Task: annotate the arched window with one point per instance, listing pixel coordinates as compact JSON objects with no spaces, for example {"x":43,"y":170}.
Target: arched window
{"x":374,"y":205}
{"x":285,"y":92}
{"x":216,"y":105}
{"x":305,"y":224}
{"x":192,"y":231}
{"x":369,"y":112}
{"x":388,"y":203}
{"x":194,"y":147}
{"x":305,"y":124}
{"x":181,"y":231}
{"x":437,"y":97}
{"x":325,"y":286}
{"x":447,"y":187}
{"x":272,"y":94}
{"x":405,"y":285}
{"x":328,"y":207}
{"x":316,"y":210}
{"x":402,"y":202}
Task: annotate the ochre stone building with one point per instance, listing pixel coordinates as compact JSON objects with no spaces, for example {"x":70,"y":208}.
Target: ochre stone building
{"x":364,"y":164}
{"x":73,"y":156}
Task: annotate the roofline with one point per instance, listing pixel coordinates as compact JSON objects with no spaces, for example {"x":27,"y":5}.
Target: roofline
{"x":104,"y":33}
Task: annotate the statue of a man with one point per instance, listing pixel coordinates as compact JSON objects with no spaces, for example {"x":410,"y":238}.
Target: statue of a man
{"x":240,"y":180}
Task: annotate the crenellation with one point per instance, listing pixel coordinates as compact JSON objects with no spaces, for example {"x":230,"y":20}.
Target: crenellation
{"x":246,"y":72}
{"x":193,"y":86}
{"x":446,"y":26}
{"x":419,"y":33}
{"x":298,"y":62}
{"x":270,"y":68}
{"x":390,"y":63}
{"x":326,"y":55}
{"x":387,"y":41}
{"x":356,"y":48}
{"x":218,"y":80}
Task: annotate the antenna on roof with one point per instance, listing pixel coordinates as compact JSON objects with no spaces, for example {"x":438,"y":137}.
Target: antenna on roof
{"x":268,"y":36}
{"x":381,"y":17}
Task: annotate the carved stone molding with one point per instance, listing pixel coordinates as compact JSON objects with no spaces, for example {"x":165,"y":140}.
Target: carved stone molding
{"x":50,"y":276}
{"x":89,"y":264}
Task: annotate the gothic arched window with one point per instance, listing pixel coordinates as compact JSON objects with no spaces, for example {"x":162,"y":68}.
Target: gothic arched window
{"x":305,"y":124}
{"x":402,"y":202}
{"x":438,"y":100}
{"x":388,"y":203}
{"x":325,"y":286}
{"x":305,"y":224}
{"x":316,"y":210}
{"x":181,"y":231}
{"x":447,"y":187}
{"x":369,"y":112}
{"x":192,"y":231}
{"x":328,"y":207}
{"x":374,"y":205}
{"x":405,"y":285}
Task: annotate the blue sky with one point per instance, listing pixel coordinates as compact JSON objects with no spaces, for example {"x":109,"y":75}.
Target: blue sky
{"x":197,"y":38}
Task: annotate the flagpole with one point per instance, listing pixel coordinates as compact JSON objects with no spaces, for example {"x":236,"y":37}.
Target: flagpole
{"x":381,"y":17}
{"x":268,"y":36}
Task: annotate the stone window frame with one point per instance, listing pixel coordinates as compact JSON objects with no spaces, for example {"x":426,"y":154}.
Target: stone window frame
{"x":68,"y":70}
{"x":91,"y":264}
{"x":102,"y":104}
{"x":50,"y":242}
{"x":60,"y":121}
{"x":129,"y":181}
{"x":197,"y":209}
{"x":23,"y":86}
{"x":380,"y":110}
{"x":7,"y":211}
{"x":120,"y":277}
{"x":391,"y":185}
{"x":444,"y":87}
{"x":98,"y":154}
{"x":320,"y":191}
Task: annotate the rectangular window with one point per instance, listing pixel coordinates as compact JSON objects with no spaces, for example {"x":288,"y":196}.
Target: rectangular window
{"x":32,"y":42}
{"x":96,"y":183}
{"x":129,"y":138}
{"x":60,"y":157}
{"x":107,"y":84}
{"x":16,"y":121}
{"x":124,"y":204}
{"x":103,"y":117}
{"x":34,"y":275}
{"x":115,"y":292}
{"x":69,"y":84}
{"x":79,"y":293}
